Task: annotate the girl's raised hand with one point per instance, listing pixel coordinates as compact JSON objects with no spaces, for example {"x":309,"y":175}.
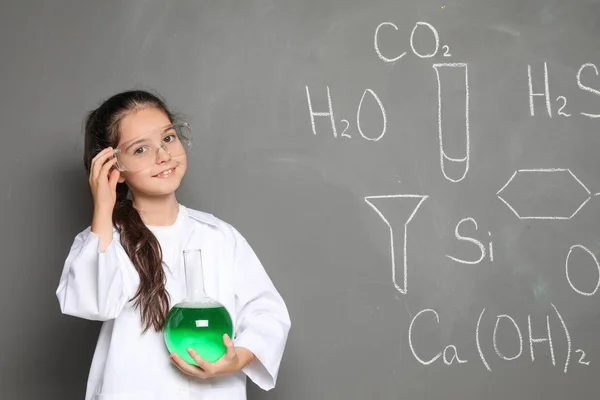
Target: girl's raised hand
{"x":103,"y":180}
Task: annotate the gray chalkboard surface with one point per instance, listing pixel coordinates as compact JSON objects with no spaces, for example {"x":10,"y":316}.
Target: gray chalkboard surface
{"x":419,"y":179}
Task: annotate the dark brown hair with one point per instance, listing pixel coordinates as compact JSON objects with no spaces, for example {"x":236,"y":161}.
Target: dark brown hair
{"x":101,"y":131}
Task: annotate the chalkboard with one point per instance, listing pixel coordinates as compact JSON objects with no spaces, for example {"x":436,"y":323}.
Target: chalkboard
{"x":419,"y":179}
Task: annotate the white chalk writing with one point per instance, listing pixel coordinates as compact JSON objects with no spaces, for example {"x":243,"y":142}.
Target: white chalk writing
{"x":551,"y":194}
{"x":533,"y":339}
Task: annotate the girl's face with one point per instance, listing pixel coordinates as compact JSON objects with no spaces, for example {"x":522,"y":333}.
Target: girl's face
{"x":142,"y":132}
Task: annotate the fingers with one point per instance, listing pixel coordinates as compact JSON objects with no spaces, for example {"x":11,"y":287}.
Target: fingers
{"x":228,"y":344}
{"x":107,"y":165}
{"x":205,"y":369}
{"x":202,"y":363}
{"x":100,"y":156}
{"x":187,"y":368}
{"x":105,"y":170}
{"x":98,"y":162}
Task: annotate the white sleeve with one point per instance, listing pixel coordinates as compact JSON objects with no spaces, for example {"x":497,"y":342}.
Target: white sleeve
{"x":93,"y":284}
{"x":263,"y":321}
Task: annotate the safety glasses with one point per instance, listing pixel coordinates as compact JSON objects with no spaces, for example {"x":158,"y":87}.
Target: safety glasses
{"x":142,"y":153}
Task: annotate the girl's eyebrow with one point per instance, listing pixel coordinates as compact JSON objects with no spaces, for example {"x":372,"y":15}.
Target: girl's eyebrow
{"x":135,"y":143}
{"x":164,"y":129}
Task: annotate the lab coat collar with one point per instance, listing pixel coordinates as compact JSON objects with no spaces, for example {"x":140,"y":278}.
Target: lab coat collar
{"x":202,"y":216}
{"x":190,"y":240}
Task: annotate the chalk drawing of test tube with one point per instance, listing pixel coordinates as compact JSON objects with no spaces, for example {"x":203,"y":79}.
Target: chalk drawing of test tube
{"x":444,"y":133}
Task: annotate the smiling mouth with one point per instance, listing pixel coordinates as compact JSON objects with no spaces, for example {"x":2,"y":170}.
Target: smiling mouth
{"x":166,"y":173}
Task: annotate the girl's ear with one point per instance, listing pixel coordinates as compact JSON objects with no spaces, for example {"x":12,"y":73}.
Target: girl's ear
{"x":121,"y":179}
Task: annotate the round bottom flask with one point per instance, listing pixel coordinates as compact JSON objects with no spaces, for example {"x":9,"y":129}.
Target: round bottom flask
{"x":197,"y":321}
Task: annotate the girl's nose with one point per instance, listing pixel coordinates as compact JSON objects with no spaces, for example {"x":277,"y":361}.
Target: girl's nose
{"x":162,"y":156}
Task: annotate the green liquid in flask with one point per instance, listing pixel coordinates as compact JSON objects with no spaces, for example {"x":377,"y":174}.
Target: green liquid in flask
{"x":197,"y":321}
{"x":199,"y":327}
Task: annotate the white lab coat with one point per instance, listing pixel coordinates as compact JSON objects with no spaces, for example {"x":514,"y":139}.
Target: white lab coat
{"x":130,"y":366}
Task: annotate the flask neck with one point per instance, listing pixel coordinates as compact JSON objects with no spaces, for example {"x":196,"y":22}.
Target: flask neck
{"x":194,"y":274}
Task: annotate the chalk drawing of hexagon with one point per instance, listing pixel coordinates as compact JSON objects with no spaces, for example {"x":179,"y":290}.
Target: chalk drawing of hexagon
{"x":553,"y":193}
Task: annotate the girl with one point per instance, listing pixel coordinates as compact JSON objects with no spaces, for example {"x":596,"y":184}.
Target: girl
{"x":126,"y":269}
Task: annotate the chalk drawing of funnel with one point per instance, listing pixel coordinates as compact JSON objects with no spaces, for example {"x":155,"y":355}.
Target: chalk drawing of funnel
{"x":398,"y":229}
